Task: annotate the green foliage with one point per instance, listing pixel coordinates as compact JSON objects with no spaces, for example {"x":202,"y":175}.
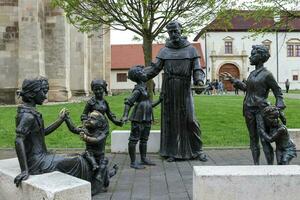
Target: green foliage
{"x":221,"y":119}
{"x":281,"y":12}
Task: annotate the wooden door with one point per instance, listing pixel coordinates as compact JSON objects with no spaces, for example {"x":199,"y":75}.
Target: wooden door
{"x":233,"y":70}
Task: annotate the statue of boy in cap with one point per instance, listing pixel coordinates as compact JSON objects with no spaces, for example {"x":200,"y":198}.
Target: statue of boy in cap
{"x":180,"y":130}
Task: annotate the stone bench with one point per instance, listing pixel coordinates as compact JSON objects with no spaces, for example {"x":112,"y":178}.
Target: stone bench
{"x":119,"y":141}
{"x":49,"y":186}
{"x":246,"y":182}
{"x":295,"y":135}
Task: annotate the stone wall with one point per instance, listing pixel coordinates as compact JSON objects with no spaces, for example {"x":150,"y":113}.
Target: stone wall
{"x":36,"y":40}
{"x":79,"y":63}
{"x":57,"y":57}
{"x":9,"y":34}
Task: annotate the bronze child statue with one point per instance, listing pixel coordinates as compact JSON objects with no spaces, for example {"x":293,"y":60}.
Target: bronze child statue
{"x":97,"y":102}
{"x":278,"y":133}
{"x":93,"y":133}
{"x":141,"y":117}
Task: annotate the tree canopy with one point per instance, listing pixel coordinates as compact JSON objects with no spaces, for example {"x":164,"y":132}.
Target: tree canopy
{"x":146,"y":18}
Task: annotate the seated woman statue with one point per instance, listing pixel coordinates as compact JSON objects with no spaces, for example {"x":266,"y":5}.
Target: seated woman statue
{"x":30,"y":140}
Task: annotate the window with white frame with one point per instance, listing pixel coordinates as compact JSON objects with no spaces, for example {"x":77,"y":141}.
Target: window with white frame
{"x":228,"y":45}
{"x":293,"y":47}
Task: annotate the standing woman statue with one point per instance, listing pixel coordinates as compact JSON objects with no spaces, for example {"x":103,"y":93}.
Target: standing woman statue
{"x":257,"y":87}
{"x":180,"y":130}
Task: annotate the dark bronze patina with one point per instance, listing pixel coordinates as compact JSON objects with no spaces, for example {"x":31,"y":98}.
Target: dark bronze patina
{"x":30,"y":141}
{"x":257,"y":88}
{"x":180,"y":131}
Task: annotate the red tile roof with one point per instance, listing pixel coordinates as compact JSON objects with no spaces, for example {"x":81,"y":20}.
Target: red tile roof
{"x":240,"y":23}
{"x":124,"y":56}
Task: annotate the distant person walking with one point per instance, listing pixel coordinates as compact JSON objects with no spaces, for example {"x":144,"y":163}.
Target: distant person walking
{"x":287,"y":85}
{"x":221,"y":88}
{"x":236,"y":91}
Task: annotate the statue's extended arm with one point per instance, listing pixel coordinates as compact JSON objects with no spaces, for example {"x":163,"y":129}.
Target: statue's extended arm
{"x":90,"y":139}
{"x":198,"y":73}
{"x":112,"y":116}
{"x":129,"y":102}
{"x":52,"y":127}
{"x":71,"y":125}
{"x":154,"y":69}
{"x":157,"y":102}
{"x":57,"y":123}
{"x":85,"y":112}
{"x":280,"y":131}
{"x":266,"y":136}
{"x":239,"y":84}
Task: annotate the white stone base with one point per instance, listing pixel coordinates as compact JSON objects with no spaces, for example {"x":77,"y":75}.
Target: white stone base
{"x":49,"y":186}
{"x":119,"y":141}
{"x":295,"y":135}
{"x":246,"y":182}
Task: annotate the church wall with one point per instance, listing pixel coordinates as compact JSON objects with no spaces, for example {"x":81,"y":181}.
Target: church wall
{"x":36,"y":40}
{"x":9,"y":39}
{"x":79,"y":64}
{"x":57,"y":58}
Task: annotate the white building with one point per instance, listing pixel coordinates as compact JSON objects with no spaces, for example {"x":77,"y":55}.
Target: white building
{"x":125,"y":56}
{"x":229,"y":50}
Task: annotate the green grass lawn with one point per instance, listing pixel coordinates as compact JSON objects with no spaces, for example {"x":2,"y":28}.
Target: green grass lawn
{"x":294,"y":91}
{"x":221,"y":120}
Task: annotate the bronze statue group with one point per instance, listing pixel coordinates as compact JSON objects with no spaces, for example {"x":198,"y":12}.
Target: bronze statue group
{"x":180,"y":131}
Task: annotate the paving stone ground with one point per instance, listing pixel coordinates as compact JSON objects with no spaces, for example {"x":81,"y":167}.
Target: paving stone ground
{"x":165,"y":181}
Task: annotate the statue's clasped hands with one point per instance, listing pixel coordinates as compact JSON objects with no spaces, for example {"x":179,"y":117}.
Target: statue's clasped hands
{"x":124,"y":119}
{"x":63,"y":113}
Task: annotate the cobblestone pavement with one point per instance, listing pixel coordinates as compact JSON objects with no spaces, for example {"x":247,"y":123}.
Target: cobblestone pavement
{"x":165,"y":181}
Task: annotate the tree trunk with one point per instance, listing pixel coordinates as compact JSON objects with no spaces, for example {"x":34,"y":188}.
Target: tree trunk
{"x":147,"y":47}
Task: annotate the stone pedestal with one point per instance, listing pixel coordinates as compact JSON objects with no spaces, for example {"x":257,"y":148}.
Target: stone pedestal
{"x":119,"y":141}
{"x":49,"y":186}
{"x":246,"y":182}
{"x":295,"y":135}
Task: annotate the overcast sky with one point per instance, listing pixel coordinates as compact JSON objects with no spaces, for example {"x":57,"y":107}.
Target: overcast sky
{"x":125,"y":37}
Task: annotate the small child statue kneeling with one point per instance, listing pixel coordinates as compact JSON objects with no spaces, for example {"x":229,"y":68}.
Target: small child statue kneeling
{"x":94,"y":132}
{"x":278,"y":133}
{"x":141,"y":116}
